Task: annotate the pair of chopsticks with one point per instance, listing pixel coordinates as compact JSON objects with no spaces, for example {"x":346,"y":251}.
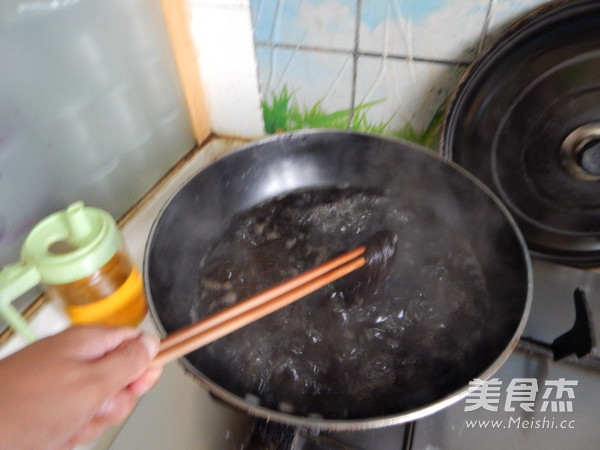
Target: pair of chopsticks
{"x":221,"y":323}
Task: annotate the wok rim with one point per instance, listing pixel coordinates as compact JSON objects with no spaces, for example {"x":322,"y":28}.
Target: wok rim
{"x":362,"y":423}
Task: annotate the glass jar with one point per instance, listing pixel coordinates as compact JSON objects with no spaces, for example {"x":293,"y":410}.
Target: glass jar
{"x":78,"y":256}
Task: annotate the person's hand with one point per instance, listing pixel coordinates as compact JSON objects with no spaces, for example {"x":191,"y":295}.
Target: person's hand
{"x":67,"y":389}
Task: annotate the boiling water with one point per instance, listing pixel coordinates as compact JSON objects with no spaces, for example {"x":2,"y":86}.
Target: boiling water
{"x":345,"y":351}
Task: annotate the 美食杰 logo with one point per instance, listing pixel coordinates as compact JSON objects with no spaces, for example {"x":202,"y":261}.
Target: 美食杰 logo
{"x":526,"y":396}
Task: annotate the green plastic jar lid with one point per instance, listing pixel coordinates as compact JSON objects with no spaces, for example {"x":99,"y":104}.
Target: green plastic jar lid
{"x":71,"y":244}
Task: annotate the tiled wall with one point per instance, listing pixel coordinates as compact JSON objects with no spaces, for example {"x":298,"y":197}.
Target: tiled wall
{"x":387,"y":65}
{"x":384,"y":66}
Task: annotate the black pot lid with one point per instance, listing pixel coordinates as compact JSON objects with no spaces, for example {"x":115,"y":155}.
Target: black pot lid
{"x":525,"y":119}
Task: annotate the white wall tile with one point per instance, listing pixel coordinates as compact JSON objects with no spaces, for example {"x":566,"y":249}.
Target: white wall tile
{"x":313,"y":77}
{"x":406,"y":91}
{"x":328,"y":24}
{"x":227,"y":64}
{"x":443,"y":30}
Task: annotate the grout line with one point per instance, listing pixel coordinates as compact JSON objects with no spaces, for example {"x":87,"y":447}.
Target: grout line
{"x":355,"y":56}
{"x":362,"y":53}
{"x":415,"y":58}
{"x":486,"y":26}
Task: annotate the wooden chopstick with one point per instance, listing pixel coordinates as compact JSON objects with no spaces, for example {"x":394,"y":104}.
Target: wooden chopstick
{"x":253,"y":308}
{"x":256,"y":300}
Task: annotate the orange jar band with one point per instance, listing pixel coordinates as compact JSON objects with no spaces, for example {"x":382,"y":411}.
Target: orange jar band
{"x":101,"y":311}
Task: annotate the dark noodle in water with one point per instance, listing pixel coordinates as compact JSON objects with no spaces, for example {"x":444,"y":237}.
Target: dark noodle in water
{"x":362,"y":345}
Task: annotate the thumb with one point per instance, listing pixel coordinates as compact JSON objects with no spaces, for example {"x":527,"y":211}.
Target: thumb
{"x":127,"y":362}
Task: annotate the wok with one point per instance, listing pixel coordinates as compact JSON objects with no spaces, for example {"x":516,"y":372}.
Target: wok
{"x":449,"y":309}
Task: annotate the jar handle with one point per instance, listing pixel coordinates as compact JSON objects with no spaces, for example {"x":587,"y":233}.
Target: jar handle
{"x":15,"y":280}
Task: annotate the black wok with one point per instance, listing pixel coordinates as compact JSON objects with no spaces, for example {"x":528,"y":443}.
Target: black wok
{"x":450,"y":309}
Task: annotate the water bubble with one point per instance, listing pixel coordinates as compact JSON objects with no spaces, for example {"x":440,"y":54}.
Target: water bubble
{"x":337,"y":353}
{"x":252,"y":399}
{"x":285,"y":407}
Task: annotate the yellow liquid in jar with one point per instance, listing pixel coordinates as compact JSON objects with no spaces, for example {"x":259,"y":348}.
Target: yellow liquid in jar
{"x":113,"y":295}
{"x":125,"y":307}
